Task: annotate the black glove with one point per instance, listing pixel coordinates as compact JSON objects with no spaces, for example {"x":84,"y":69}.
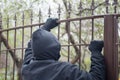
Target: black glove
{"x":96,"y":46}
{"x":50,"y":23}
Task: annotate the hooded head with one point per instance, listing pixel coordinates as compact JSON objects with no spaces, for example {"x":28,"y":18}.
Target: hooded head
{"x":45,"y":45}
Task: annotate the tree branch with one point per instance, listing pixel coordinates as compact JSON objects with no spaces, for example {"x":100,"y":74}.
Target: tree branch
{"x":70,"y":37}
{"x":14,"y":57}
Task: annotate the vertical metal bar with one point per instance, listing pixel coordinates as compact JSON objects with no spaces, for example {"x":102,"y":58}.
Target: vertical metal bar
{"x":0,"y":35}
{"x":39,"y":17}
{"x":59,"y":12}
{"x":115,"y":3}
{"x":107,"y":4}
{"x":68,"y":32}
{"x":92,"y":8}
{"x":7,"y":50}
{"x":80,"y":43}
{"x":110,"y":47}
{"x":22,"y":34}
{"x":80,"y":27}
{"x":80,"y":8}
{"x":92,"y":29}
{"x":0,"y":42}
{"x":68,"y":27}
{"x":69,"y":42}
{"x":31,"y":20}
{"x":15,"y":18}
{"x":49,"y":12}
{"x":116,"y":47}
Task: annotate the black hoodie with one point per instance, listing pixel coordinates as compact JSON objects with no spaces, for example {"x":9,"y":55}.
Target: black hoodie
{"x":45,"y":45}
{"x":40,"y":62}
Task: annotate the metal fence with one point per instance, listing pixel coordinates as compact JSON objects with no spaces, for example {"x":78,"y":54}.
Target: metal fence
{"x":74,"y":34}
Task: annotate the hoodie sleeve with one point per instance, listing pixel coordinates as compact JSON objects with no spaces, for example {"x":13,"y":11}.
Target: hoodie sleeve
{"x":50,"y":24}
{"x":28,"y":54}
{"x":97,"y":70}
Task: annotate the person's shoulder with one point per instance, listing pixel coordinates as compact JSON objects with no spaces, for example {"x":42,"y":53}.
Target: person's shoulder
{"x":68,"y":65}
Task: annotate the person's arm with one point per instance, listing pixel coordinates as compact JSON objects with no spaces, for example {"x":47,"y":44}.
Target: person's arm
{"x":49,"y":24}
{"x":97,"y":70}
{"x":28,"y":54}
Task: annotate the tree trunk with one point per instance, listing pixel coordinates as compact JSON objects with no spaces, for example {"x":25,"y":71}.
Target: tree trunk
{"x":18,"y":62}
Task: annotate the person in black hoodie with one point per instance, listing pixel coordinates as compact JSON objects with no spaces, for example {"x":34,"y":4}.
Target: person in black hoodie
{"x":43,"y":52}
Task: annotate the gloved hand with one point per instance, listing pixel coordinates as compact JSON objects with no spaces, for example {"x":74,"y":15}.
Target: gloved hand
{"x":96,"y":46}
{"x":50,"y":23}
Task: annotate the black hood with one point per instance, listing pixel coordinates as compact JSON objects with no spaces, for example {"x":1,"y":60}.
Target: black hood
{"x":45,"y":45}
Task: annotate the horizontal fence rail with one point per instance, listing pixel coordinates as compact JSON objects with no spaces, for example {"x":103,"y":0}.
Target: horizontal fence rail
{"x":73,"y":19}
